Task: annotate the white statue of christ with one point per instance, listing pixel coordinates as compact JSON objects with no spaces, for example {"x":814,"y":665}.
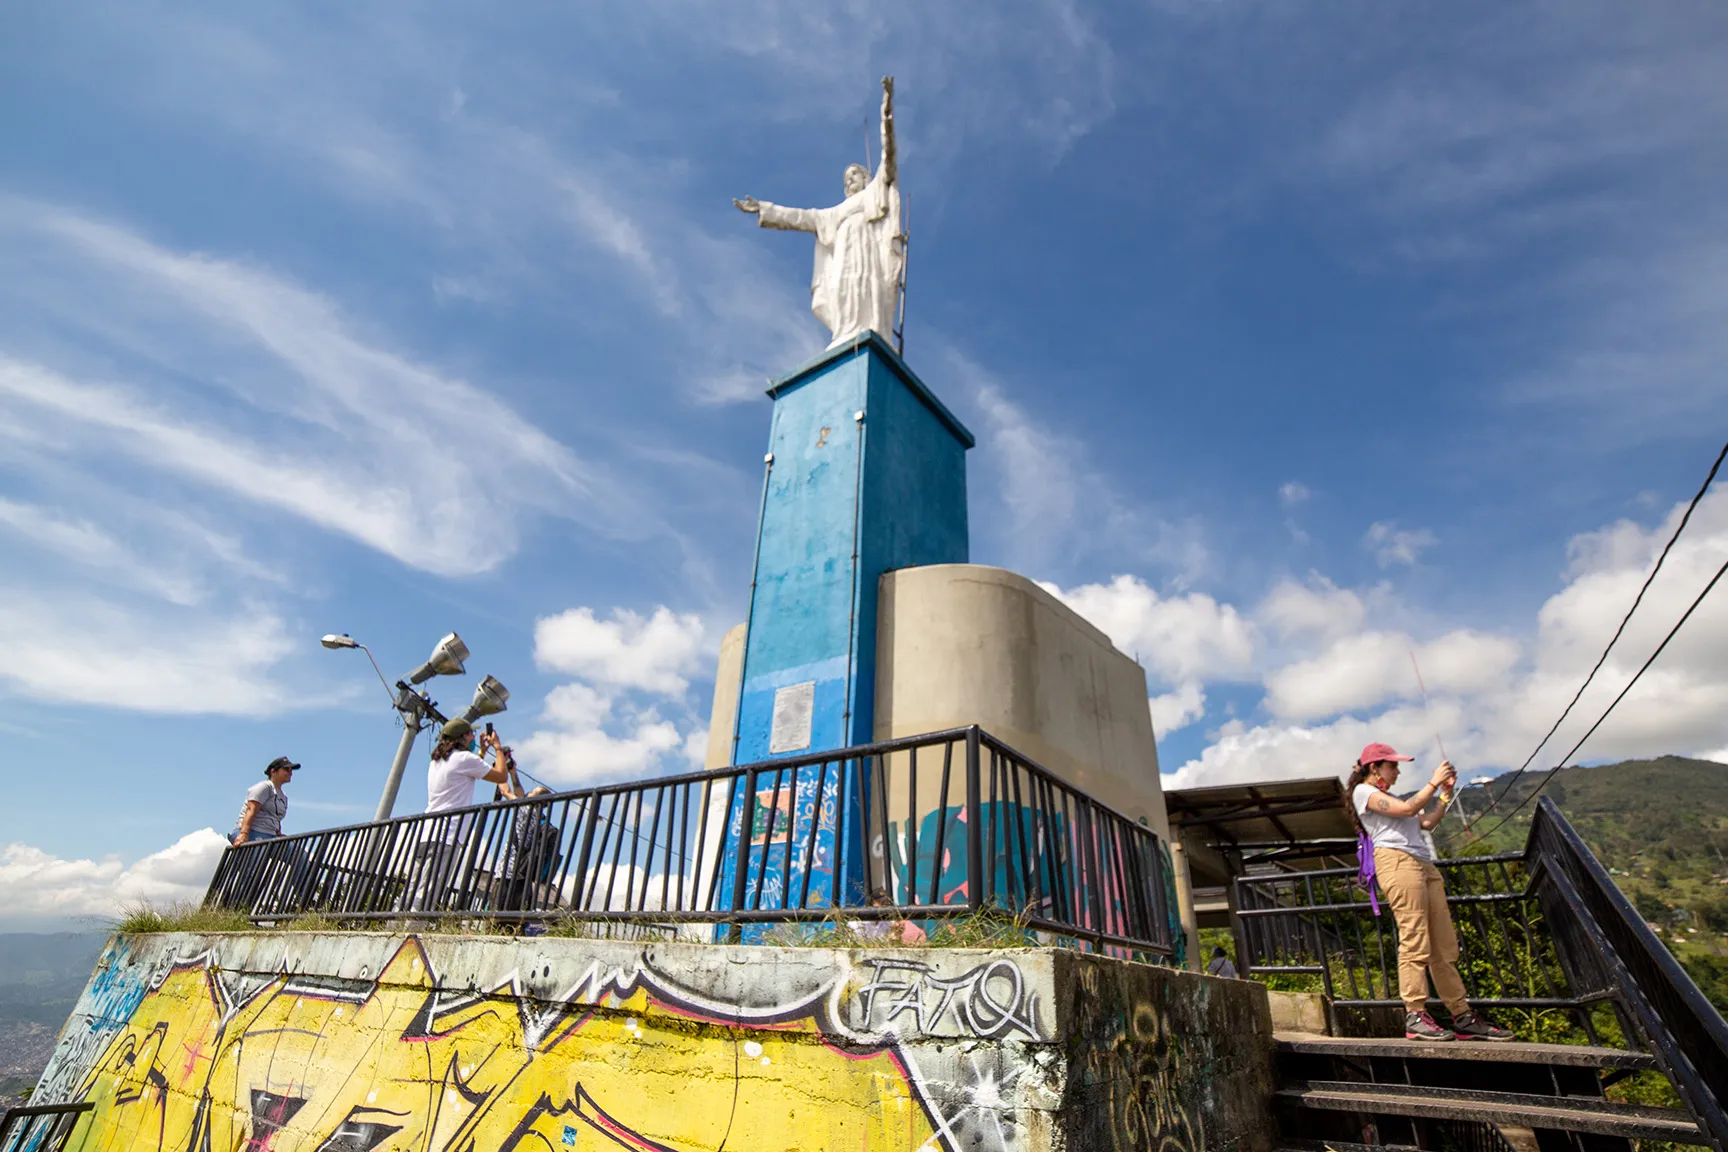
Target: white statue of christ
{"x":860,"y":250}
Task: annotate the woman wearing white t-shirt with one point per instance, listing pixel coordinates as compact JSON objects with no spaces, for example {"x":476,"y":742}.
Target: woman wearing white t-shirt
{"x":1404,"y":866}
{"x":450,"y":780}
{"x":455,"y":767}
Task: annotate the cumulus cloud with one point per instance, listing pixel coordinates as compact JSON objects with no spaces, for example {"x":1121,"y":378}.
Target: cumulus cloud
{"x":35,"y":884}
{"x":1493,"y":696}
{"x":1369,"y":668}
{"x":655,"y":653}
{"x":610,"y":722}
{"x":1295,"y":751}
{"x":1317,"y":610}
{"x":588,"y":738}
{"x":1177,"y":709}
{"x":1392,"y":545}
{"x":1293,"y":493}
{"x":1178,"y":638}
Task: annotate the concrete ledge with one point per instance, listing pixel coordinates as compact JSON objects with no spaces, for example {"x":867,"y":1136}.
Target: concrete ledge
{"x":287,"y":1039}
{"x":1298,"y":1012}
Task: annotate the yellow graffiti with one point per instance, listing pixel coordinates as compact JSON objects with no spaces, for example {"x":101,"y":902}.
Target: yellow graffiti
{"x":300,"y":1065}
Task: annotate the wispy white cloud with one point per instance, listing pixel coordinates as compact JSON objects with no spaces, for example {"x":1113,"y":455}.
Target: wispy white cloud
{"x":88,"y":545}
{"x":1578,"y":160}
{"x":1292,"y":493}
{"x":65,"y":647}
{"x":1056,"y":505}
{"x":1393,"y":545}
{"x":319,"y":431}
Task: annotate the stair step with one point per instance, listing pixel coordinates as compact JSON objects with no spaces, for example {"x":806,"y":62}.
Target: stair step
{"x":1290,"y":1144}
{"x":1513,"y":1052}
{"x":1566,"y":1113}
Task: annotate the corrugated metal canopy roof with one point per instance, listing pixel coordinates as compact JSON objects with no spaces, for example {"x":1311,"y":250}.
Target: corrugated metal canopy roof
{"x":1263,"y":813}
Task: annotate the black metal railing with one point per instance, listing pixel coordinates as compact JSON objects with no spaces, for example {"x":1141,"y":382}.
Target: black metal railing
{"x":1610,"y":953}
{"x":1544,"y":928}
{"x":39,"y":1127}
{"x":1320,"y":922}
{"x":924,"y":828}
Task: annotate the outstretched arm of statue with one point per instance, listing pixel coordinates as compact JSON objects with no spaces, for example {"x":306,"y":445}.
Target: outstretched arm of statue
{"x":889,"y":171}
{"x":779,"y":216}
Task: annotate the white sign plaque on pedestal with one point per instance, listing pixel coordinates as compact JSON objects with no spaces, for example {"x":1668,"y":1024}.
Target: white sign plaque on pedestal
{"x":793,"y":707}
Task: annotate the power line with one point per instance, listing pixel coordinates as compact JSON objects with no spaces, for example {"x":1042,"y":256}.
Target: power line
{"x":1600,"y":660}
{"x":1534,"y":792}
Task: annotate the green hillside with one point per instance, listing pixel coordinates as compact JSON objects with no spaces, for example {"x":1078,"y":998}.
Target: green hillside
{"x":1661,"y":828}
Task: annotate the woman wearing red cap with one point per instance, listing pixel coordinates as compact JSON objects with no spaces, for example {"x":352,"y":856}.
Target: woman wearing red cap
{"x":1404,"y":866}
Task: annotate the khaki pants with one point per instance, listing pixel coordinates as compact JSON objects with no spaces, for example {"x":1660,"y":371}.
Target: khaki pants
{"x":1427,"y":944}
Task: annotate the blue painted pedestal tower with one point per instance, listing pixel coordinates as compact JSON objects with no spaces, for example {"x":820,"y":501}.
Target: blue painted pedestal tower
{"x":866,"y":473}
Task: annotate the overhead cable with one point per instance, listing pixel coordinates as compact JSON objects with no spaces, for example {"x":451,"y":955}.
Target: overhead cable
{"x":1600,"y":660}
{"x":1534,"y":792}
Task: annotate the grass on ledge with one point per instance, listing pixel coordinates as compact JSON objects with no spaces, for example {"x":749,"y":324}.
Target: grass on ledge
{"x":990,"y":928}
{"x":137,"y":919}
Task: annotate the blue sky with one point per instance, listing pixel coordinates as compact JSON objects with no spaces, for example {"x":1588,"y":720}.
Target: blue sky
{"x":1295,"y":337}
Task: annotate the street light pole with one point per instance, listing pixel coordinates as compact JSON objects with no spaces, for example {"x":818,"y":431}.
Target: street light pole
{"x":416,"y":708}
{"x":411,"y":723}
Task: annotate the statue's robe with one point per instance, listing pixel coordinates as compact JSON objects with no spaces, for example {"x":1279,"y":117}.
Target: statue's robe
{"x":859,"y":257}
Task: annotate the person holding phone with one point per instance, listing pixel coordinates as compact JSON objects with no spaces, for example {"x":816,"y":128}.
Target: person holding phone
{"x":455,"y":769}
{"x":1404,"y":868}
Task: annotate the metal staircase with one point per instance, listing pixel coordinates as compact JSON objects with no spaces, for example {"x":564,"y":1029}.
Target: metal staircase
{"x":1344,"y":1091}
{"x":1545,"y":930}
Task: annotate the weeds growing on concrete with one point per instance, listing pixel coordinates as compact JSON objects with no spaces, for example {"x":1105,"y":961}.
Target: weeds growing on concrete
{"x":987,"y":928}
{"x":185,"y":917}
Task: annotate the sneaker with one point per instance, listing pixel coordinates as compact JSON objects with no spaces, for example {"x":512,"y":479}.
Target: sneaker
{"x":1421,"y":1026}
{"x":1471,"y":1026}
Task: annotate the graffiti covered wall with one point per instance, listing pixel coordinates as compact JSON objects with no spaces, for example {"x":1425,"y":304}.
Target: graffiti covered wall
{"x":355,"y":1042}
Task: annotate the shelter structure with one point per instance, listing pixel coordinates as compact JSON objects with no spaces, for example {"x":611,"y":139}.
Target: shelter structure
{"x":1220,"y":833}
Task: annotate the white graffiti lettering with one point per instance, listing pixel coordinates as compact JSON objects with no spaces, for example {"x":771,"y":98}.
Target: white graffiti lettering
{"x":990,"y":1001}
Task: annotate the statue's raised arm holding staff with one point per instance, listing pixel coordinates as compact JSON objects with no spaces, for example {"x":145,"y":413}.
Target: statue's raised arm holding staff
{"x":859,"y":254}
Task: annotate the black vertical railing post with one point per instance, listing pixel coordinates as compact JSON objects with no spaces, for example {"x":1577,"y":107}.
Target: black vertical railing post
{"x":911,"y":885}
{"x":941,"y":826}
{"x":579,"y":866}
{"x":974,"y":815}
{"x":741,"y":874}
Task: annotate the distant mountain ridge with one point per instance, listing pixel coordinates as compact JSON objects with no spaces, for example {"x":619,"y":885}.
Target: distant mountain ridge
{"x":1661,"y":828}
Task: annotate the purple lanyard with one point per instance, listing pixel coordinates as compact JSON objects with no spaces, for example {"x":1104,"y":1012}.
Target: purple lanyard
{"x":1365,"y":869}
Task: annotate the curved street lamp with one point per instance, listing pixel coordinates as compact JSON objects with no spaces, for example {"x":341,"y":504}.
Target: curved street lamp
{"x":417,"y":708}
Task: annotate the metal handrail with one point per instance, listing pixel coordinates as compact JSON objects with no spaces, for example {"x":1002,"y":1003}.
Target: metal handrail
{"x":1562,"y":936}
{"x":856,"y":832}
{"x":1318,"y":922}
{"x":1610,"y":951}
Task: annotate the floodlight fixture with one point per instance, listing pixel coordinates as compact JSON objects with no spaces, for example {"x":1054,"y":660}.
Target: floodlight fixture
{"x":446,"y":660}
{"x":340,"y":640}
{"x":490,"y":698}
